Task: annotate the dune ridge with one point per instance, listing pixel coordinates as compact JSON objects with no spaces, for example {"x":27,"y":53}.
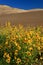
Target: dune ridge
{"x":7,"y":10}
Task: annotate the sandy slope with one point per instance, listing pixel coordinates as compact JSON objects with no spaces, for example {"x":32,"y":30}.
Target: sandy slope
{"x":7,"y":10}
{"x":18,"y":16}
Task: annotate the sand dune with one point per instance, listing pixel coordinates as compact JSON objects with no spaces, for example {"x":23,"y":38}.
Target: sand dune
{"x":17,"y":16}
{"x":7,"y":10}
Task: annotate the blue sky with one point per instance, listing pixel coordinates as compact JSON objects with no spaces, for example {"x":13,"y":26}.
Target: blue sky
{"x":23,"y":4}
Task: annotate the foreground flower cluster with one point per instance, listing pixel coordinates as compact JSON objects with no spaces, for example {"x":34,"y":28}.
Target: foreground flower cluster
{"x":21,"y":46}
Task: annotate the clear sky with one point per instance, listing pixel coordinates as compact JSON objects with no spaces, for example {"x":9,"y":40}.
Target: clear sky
{"x":23,"y":4}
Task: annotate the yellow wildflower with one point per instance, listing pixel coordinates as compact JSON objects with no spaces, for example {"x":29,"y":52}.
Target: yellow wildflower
{"x":18,"y":60}
{"x":42,"y":39}
{"x":16,"y":43}
{"x":41,"y":58}
{"x":6,"y":42}
{"x":8,"y":60}
{"x":16,"y":36}
{"x":4,"y":54}
{"x":31,"y":48}
{"x":15,"y":57}
{"x":34,"y":45}
{"x":27,"y":33}
{"x":28,"y":53}
{"x":7,"y":56}
{"x":30,"y":41}
{"x":16,"y":52}
{"x":19,"y":48}
{"x":38,"y":44}
{"x":25,"y":39}
{"x":39,"y":48}
{"x":37,"y":36}
{"x":31,"y":32}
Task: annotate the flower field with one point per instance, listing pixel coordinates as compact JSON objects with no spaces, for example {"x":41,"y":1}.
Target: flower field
{"x":21,"y":46}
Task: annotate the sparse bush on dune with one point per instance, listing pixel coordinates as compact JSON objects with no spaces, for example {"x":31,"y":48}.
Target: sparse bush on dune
{"x":21,"y":46}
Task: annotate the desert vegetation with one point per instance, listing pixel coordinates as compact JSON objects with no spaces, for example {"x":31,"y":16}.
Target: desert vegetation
{"x":21,"y":46}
